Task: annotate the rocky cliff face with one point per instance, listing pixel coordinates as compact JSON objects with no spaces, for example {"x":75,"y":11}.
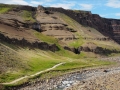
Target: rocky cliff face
{"x":18,"y":16}
{"x":51,"y":24}
{"x":15,"y":23}
{"x":25,"y":43}
{"x":108,"y":27}
{"x":47,"y":22}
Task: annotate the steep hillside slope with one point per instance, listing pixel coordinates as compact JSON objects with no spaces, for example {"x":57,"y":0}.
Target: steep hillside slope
{"x":16,"y":62}
{"x":108,"y":27}
{"x":52,"y":25}
{"x":35,"y":39}
{"x":89,"y":39}
{"x":68,"y":32}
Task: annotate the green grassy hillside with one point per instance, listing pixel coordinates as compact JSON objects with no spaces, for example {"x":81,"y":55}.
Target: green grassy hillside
{"x":23,"y":61}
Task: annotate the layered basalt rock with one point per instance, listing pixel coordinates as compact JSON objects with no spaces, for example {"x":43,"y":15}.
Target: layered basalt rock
{"x":25,"y":43}
{"x":13,"y":22}
{"x":108,"y":27}
{"x":52,"y":25}
{"x":96,"y":50}
{"x":14,"y":19}
{"x":49,"y":24}
{"x":16,"y":16}
{"x":74,"y":50}
{"x":19,"y":24}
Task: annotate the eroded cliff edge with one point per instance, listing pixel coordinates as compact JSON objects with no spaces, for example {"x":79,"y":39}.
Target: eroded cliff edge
{"x":21,"y":19}
{"x":108,"y":27}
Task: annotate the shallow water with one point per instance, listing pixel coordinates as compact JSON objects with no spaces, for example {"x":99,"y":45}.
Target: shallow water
{"x":76,"y":77}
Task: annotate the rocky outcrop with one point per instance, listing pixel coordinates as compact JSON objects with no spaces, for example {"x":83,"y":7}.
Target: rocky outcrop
{"x":18,"y":24}
{"x":25,"y":43}
{"x":36,"y":26}
{"x":13,"y":22}
{"x":28,"y":8}
{"x":74,"y":50}
{"x":108,"y":27}
{"x":17,"y":16}
{"x":99,"y":38}
{"x":97,"y":50}
{"x":40,"y":9}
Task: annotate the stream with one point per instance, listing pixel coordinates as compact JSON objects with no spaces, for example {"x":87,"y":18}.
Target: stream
{"x":86,"y":75}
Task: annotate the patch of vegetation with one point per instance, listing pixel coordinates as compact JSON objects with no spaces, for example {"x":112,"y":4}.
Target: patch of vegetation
{"x":80,"y":11}
{"x":82,"y":64}
{"x":72,"y":66}
{"x":11,"y":64}
{"x":41,"y":63}
{"x":108,"y":45}
{"x":5,"y":8}
{"x":14,"y":47}
{"x":39,"y":60}
{"x":35,"y":60}
{"x":77,"y":11}
{"x":77,"y":43}
{"x":52,"y":40}
{"x":69,"y":21}
{"x":45,"y":38}
{"x":6,"y":77}
{"x":75,"y":25}
{"x":27,"y":15}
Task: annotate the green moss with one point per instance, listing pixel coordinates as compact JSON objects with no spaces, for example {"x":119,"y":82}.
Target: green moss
{"x":77,"y":11}
{"x":27,"y":16}
{"x":41,"y":63}
{"x":10,"y":76}
{"x":45,"y":38}
{"x":80,"y":11}
{"x":5,"y":8}
{"x":73,"y":66}
{"x":69,"y":21}
{"x":77,"y":43}
{"x":82,"y":64}
{"x":75,"y":25}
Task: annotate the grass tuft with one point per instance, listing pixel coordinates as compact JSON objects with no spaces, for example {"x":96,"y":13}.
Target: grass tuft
{"x":5,"y":8}
{"x":27,"y":15}
{"x":45,"y":38}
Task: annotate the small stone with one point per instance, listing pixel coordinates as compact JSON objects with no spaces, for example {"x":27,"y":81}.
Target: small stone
{"x":106,"y":71}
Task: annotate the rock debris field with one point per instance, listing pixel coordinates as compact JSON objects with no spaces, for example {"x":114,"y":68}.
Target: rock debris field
{"x":108,"y":79}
